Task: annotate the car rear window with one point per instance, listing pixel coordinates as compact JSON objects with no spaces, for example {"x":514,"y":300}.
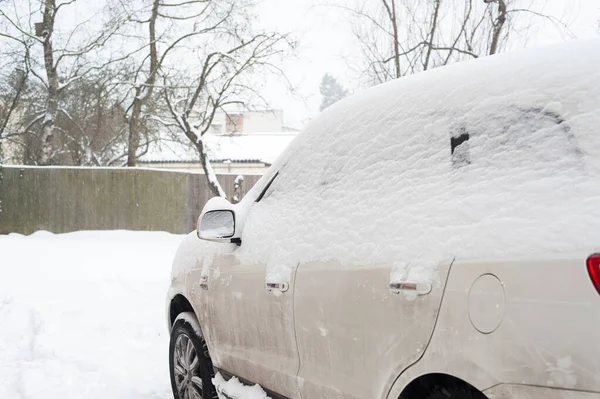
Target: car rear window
{"x":519,"y":136}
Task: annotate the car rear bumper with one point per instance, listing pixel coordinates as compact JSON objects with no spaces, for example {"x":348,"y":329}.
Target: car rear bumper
{"x":513,"y":391}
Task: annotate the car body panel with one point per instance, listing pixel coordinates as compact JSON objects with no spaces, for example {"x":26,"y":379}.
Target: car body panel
{"x":354,"y":335}
{"x":185,"y":273}
{"x":547,"y":335}
{"x":507,"y":391}
{"x":250,"y":330}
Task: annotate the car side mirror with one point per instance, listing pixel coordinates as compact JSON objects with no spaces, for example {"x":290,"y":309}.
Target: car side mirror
{"x":218,"y":222}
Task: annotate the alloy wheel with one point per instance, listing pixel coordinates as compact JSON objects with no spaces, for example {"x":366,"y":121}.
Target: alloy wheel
{"x":186,"y":366}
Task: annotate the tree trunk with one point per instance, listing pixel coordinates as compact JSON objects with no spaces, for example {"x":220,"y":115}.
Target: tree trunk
{"x":432,"y":33}
{"x":51,"y":75}
{"x":391,"y":12}
{"x":211,"y":177}
{"x":141,"y":100}
{"x":134,"y":129}
{"x":498,"y":25}
{"x":396,"y":43}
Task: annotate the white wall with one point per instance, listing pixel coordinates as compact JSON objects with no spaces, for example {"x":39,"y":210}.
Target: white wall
{"x":263,"y":122}
{"x":254,"y":122}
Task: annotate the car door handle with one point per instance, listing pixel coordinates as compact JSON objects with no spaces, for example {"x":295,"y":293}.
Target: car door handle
{"x":277,"y":287}
{"x":419,"y":288}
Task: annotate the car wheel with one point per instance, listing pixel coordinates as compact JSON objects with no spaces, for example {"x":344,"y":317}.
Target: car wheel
{"x":455,"y":393}
{"x":189,"y":361}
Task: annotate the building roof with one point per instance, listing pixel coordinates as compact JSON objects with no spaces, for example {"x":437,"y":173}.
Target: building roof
{"x":236,"y":148}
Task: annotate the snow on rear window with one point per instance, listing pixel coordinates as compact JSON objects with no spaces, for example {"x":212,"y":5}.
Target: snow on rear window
{"x":492,"y":158}
{"x":514,"y":136}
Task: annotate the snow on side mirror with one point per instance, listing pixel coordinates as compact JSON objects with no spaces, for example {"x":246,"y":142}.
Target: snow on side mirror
{"x":217,"y":222}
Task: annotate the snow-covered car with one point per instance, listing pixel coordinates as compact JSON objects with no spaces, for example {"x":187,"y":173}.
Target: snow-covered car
{"x":434,"y":237}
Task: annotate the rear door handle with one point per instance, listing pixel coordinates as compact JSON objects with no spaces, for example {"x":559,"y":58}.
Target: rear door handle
{"x":283,"y":287}
{"x":406,"y":286}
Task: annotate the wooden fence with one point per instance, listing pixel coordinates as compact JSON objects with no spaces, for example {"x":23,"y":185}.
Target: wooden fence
{"x":61,"y":200}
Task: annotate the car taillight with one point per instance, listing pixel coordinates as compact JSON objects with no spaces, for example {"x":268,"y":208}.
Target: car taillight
{"x":593,"y":266}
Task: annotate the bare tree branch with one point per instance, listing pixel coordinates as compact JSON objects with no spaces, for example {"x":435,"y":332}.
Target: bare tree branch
{"x":20,"y":86}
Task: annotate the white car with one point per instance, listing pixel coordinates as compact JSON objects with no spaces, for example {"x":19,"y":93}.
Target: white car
{"x":434,"y":237}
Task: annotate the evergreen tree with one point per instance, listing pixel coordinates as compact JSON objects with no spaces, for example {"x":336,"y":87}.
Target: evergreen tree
{"x":331,"y":91}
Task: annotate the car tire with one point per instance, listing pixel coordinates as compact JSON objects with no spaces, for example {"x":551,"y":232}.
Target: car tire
{"x":455,"y":393}
{"x":189,"y":362}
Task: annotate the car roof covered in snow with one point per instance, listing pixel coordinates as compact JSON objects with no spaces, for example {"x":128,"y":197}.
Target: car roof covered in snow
{"x":560,"y":81}
{"x":494,"y":157}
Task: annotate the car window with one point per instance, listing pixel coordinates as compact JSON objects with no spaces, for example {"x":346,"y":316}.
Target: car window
{"x":515,"y":137}
{"x":487,"y":137}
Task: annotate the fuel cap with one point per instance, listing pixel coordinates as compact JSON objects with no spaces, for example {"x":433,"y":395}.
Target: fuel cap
{"x":486,"y":303}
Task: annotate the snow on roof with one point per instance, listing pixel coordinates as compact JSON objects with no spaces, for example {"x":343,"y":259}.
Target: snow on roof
{"x":237,"y":148}
{"x":491,"y":158}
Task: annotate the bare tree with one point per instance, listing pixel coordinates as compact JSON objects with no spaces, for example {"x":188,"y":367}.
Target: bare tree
{"x":144,"y":90}
{"x":9,"y":98}
{"x":55,"y":60}
{"x":50,"y":11}
{"x":390,"y":9}
{"x":194,"y":18}
{"x":81,"y":82}
{"x":92,"y":120}
{"x":223,"y":58}
{"x":224,"y":79}
{"x":400,"y":37}
{"x":431,"y":37}
{"x":497,"y":24}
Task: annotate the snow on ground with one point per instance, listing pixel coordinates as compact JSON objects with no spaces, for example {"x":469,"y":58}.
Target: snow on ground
{"x":82,"y":315}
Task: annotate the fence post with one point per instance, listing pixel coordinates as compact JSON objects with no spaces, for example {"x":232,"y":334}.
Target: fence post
{"x":237,"y":189}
